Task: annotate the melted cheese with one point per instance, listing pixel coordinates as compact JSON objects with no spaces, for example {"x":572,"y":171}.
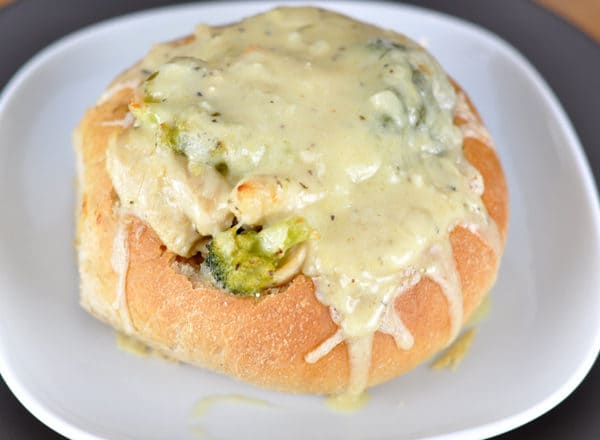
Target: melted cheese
{"x":454,"y":355}
{"x":347,"y":403}
{"x":337,"y":121}
{"x":205,"y":404}
{"x":132,"y":346}
{"x":120,"y":264}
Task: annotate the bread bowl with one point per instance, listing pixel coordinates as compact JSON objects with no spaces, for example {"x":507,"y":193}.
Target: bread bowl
{"x":270,"y":91}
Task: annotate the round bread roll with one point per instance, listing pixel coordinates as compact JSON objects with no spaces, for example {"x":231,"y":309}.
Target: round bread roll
{"x":133,"y":281}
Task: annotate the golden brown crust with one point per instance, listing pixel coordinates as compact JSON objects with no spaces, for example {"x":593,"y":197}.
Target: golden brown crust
{"x":259,"y":341}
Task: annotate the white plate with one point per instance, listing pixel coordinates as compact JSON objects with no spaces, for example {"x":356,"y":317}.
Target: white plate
{"x":539,"y":341}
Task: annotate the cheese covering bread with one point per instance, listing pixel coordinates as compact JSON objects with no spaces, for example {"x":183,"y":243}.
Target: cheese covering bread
{"x":299,"y":200}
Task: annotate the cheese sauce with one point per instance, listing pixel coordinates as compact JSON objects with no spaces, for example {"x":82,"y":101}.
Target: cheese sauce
{"x":339,"y":122}
{"x":120,"y":264}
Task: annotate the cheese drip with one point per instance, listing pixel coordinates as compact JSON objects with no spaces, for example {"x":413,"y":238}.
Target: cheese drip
{"x":120,"y":263}
{"x":316,"y":115}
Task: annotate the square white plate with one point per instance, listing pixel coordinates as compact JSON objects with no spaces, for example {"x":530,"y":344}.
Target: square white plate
{"x":539,"y":341}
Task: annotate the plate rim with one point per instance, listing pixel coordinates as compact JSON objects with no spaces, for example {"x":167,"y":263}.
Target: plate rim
{"x":56,"y":422}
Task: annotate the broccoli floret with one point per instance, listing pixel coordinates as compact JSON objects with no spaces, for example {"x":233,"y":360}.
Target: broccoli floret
{"x":244,"y":261}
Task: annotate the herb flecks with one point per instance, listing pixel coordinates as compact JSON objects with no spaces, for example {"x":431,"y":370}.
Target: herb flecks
{"x":222,"y":168}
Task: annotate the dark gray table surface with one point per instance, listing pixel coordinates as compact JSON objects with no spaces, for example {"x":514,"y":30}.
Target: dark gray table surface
{"x":566,"y":58}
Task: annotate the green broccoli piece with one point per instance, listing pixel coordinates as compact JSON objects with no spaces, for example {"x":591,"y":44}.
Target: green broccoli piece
{"x":244,"y":261}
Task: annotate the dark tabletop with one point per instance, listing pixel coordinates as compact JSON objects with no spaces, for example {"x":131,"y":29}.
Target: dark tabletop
{"x":566,"y":58}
